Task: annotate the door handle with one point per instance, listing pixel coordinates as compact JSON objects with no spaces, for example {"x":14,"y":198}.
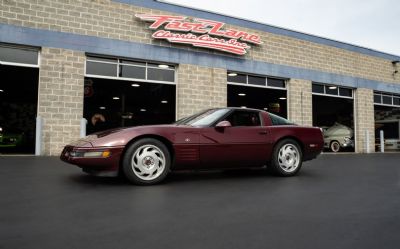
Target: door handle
{"x":263,"y":132}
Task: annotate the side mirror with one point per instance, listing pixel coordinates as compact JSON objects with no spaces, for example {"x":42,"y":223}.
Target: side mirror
{"x":223,"y":124}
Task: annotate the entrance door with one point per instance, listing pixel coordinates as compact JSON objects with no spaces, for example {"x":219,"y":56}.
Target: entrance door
{"x":18,"y":104}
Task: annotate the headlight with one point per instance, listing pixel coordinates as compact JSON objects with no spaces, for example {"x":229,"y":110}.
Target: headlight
{"x":93,"y":154}
{"x":103,"y":154}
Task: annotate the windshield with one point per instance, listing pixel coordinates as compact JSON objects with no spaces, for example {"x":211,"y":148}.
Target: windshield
{"x":202,"y":119}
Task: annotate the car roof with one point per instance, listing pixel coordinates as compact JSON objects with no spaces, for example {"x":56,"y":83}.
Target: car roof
{"x":241,"y":108}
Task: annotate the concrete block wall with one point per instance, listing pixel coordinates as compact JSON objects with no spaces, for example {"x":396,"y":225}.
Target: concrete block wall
{"x":364,"y":119}
{"x":299,"y":93}
{"x":61,"y":97}
{"x":60,"y":103}
{"x":108,"y":19}
{"x":199,"y":88}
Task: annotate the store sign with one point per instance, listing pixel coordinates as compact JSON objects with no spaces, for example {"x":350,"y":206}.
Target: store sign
{"x":200,"y":33}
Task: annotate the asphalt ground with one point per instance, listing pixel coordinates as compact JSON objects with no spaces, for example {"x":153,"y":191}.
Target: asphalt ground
{"x":337,"y":201}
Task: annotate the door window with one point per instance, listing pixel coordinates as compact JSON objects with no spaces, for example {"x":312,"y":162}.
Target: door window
{"x":244,"y":118}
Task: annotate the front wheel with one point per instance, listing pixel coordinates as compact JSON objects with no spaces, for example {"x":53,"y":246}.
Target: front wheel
{"x":146,"y":162}
{"x":287,"y":158}
{"x":335,"y":146}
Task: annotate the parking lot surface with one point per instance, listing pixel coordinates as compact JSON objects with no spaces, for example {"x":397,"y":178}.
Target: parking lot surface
{"x":337,"y":201}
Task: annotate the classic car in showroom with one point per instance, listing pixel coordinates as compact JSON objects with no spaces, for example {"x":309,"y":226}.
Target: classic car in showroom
{"x":10,"y":140}
{"x":338,"y":137}
{"x":222,"y":138}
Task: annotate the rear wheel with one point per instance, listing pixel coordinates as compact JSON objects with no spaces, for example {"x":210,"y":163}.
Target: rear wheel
{"x":287,"y":158}
{"x":146,"y":162}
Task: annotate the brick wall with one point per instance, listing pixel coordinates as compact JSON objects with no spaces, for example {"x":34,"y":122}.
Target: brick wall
{"x":104,"y":18}
{"x":60,"y":103}
{"x":199,"y":88}
{"x":364,"y":119}
{"x":300,"y":101}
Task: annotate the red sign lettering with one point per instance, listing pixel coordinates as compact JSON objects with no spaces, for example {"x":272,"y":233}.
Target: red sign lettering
{"x":200,"y":33}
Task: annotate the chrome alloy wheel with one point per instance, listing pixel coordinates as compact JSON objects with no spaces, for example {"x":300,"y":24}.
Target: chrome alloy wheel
{"x":148,"y":162}
{"x":288,"y":158}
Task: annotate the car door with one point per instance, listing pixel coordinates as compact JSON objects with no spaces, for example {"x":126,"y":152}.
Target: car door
{"x":243,"y":144}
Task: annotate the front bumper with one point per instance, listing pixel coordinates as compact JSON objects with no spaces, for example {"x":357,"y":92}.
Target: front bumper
{"x":76,"y":155}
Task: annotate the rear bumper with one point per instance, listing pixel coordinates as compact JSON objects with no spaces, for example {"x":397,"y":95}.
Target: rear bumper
{"x":75,"y":155}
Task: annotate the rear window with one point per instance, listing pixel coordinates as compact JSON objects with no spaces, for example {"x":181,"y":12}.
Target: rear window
{"x":276,"y":120}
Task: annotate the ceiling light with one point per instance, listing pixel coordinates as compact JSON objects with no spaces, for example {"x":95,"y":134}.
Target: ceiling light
{"x":164,"y":101}
{"x":1,"y":90}
{"x":142,"y":110}
{"x":135,"y":85}
{"x":242,"y":94}
{"x":282,"y":98}
{"x":163,"y":66}
{"x":243,"y":107}
{"x":116,"y":98}
{"x":102,"y":107}
{"x":332,"y":87}
{"x":265,"y":108}
{"x":232,"y":74}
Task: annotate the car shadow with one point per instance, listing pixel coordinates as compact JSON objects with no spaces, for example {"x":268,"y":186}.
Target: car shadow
{"x":237,"y":175}
{"x":94,"y":180}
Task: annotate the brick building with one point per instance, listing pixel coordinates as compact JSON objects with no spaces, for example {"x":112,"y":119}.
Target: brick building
{"x":65,"y":60}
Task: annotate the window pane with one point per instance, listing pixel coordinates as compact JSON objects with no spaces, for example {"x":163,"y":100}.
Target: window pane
{"x":256,"y":80}
{"x":275,"y":82}
{"x":98,"y":68}
{"x":18,"y":55}
{"x":240,"y":118}
{"x":111,"y":60}
{"x":136,"y":63}
{"x":160,"y":65}
{"x":132,"y":72}
{"x":240,"y":78}
{"x":316,"y":88}
{"x":345,"y":92}
{"x":386,"y":99}
{"x":396,"y":101}
{"x":160,"y":74}
{"x":377,"y":98}
{"x":333,"y":90}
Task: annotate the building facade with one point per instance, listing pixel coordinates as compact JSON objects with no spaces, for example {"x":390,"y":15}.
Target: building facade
{"x":114,"y":61}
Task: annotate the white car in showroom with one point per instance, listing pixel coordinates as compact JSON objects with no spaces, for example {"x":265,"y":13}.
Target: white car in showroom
{"x":338,"y":137}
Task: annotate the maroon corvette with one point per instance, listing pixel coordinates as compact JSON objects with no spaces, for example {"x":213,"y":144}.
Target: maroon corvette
{"x":215,"y":138}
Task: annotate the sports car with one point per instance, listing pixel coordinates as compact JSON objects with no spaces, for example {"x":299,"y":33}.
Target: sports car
{"x":221,"y":138}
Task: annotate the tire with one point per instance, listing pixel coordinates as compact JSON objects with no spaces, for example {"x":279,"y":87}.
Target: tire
{"x":146,"y":162}
{"x":334,"y":146}
{"x":287,"y":158}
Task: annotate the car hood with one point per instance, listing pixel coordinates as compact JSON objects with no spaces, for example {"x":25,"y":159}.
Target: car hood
{"x":121,"y":136}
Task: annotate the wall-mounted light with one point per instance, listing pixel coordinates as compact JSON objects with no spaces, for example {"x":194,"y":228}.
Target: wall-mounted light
{"x":243,"y":107}
{"x":1,"y":90}
{"x":142,"y":110}
{"x":163,"y":66}
{"x":164,"y":101}
{"x":242,"y":94}
{"x":102,"y":107}
{"x":232,"y":74}
{"x":135,"y":85}
{"x":282,"y":98}
{"x":332,"y":87}
{"x":116,"y":98}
